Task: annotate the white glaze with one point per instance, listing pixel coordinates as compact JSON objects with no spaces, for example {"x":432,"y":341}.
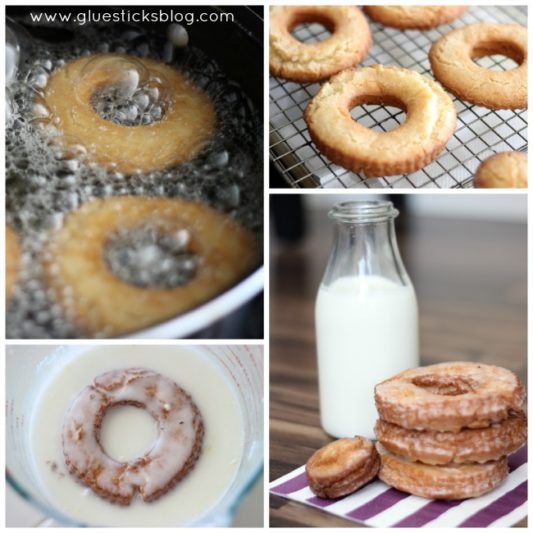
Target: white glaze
{"x":179,"y":436}
{"x":199,"y":491}
{"x":492,"y":392}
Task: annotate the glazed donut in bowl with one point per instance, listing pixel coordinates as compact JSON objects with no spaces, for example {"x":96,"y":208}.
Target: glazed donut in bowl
{"x":186,"y":124}
{"x":13,"y":254}
{"x":430,"y":121}
{"x":506,"y":170}
{"x":100,"y":302}
{"x":173,"y":454}
{"x":414,"y":17}
{"x":449,"y":396}
{"x":309,"y":62}
{"x":452,"y":62}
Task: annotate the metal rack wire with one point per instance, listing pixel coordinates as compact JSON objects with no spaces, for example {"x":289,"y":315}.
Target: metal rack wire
{"x":480,"y":132}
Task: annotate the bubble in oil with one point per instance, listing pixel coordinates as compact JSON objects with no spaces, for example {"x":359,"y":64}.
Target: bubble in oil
{"x":178,"y":35}
{"x":12,"y":55}
{"x":48,"y":177}
{"x":37,"y":78}
{"x":218,"y":159}
{"x":149,"y":257}
{"x":142,"y":107}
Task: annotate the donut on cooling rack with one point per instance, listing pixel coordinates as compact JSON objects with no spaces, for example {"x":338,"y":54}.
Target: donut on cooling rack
{"x":414,"y":17}
{"x":174,"y":453}
{"x":309,"y":62}
{"x":186,"y":124}
{"x":505,"y":170}
{"x":341,"y":467}
{"x":452,"y":61}
{"x":429,"y":124}
{"x":449,"y":396}
{"x":445,"y":447}
{"x":12,"y":260}
{"x":100,"y":302}
{"x":448,"y":482}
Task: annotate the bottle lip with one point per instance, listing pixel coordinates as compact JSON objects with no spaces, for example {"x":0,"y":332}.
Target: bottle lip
{"x":361,"y":212}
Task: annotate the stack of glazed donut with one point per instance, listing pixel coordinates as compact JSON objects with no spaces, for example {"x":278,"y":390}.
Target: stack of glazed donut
{"x":431,"y":115}
{"x":445,"y":430}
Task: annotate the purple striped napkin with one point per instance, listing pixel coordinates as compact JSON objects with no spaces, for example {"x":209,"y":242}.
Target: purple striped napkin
{"x":378,"y":505}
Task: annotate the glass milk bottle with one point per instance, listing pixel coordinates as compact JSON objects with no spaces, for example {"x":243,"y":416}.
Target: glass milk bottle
{"x":366,"y":317}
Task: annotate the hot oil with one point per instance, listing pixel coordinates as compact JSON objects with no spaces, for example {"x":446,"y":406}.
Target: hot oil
{"x":48,"y":176}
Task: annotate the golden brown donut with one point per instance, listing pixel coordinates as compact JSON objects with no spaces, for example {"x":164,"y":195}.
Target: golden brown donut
{"x":101,"y":303}
{"x":308,"y":62}
{"x":414,"y":17}
{"x":430,"y":121}
{"x":452,"y":56}
{"x":186,"y":125}
{"x":506,"y":170}
{"x":466,"y":446}
{"x":341,"y":467}
{"x":449,"y":396}
{"x":451,"y":482}
{"x":172,"y":455}
{"x":13,"y":254}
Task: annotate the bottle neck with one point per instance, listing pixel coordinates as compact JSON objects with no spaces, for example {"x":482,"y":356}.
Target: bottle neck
{"x":365,"y":249}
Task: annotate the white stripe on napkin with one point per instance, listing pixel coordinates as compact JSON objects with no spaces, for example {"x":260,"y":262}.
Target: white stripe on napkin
{"x":456,"y":515}
{"x":397,"y":512}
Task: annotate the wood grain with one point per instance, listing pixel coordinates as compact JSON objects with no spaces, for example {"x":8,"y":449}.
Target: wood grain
{"x":470,"y":278}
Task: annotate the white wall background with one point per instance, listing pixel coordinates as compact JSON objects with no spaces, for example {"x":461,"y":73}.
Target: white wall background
{"x":501,"y":207}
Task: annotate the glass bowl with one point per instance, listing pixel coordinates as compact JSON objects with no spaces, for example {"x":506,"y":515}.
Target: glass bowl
{"x":28,"y":369}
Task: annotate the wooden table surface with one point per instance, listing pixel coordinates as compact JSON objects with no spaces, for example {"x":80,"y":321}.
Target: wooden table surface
{"x":470,"y":279}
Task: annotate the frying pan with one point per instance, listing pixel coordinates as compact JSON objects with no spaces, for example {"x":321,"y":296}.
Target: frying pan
{"x":237,"y":47}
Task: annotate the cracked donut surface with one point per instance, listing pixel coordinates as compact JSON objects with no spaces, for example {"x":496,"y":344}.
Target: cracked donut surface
{"x":414,"y":17}
{"x":452,"y":62}
{"x":341,"y":467}
{"x":466,"y":446}
{"x":450,"y":482}
{"x":506,"y":170}
{"x":429,"y":124}
{"x":293,"y":60}
{"x":173,"y":454}
{"x":449,"y":396}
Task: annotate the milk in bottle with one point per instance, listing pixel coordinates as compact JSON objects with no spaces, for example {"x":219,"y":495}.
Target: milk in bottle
{"x":366,"y":317}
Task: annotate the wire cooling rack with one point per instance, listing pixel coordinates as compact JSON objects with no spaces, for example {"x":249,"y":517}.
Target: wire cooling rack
{"x":480,"y":132}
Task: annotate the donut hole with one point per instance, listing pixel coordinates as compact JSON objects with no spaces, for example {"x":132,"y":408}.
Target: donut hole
{"x":444,"y":385}
{"x":141,"y":107}
{"x":378,"y":113}
{"x":311,"y":27}
{"x":311,"y":33}
{"x":497,"y":56}
{"x":120,"y":89}
{"x":151,"y":257}
{"x":127,"y":432}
